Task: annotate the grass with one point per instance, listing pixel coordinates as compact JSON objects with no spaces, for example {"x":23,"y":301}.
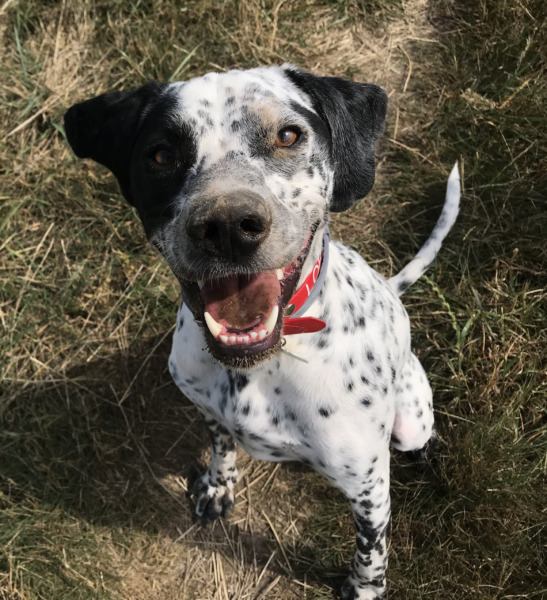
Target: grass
{"x":96,"y":444}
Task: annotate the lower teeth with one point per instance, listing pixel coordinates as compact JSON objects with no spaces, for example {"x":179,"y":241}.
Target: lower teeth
{"x":253,"y":336}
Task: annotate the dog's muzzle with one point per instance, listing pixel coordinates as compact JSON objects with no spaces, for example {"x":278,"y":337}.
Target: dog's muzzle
{"x":230,"y":226}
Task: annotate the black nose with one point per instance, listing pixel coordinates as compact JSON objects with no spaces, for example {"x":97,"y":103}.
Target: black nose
{"x":230,"y":226}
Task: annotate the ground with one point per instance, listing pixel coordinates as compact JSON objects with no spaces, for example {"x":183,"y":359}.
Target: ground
{"x":96,"y":444}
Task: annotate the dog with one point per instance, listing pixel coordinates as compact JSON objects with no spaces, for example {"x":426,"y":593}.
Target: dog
{"x":289,"y":344}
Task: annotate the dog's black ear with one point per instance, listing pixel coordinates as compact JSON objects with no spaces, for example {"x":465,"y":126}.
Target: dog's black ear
{"x":105,"y":128}
{"x":354,"y":114}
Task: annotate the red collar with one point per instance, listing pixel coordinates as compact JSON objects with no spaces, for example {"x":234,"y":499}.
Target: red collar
{"x":294,"y":324}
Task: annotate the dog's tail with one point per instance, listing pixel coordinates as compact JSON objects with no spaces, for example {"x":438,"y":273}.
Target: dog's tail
{"x":427,"y":253}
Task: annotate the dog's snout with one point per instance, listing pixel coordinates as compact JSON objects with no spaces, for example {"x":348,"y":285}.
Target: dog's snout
{"x":230,"y":226}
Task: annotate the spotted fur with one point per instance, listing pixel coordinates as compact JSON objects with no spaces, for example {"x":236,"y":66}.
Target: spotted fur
{"x":358,"y":386}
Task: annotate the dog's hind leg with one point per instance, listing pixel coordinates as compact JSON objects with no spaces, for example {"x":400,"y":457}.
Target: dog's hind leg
{"x":413,"y":426}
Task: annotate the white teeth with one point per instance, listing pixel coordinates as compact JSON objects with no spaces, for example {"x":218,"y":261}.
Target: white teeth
{"x":272,"y":319}
{"x":214,"y":327}
{"x":279,"y":274}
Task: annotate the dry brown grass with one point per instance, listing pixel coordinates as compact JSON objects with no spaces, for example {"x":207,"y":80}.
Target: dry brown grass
{"x":97,"y":445}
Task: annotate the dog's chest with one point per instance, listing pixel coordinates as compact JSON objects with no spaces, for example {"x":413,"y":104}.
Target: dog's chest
{"x":287,"y":409}
{"x":268,"y":412}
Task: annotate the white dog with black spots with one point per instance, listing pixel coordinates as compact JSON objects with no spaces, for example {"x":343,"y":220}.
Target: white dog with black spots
{"x":289,"y":344}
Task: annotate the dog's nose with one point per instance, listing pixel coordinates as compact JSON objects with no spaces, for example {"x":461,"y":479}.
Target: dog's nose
{"x":231,"y":225}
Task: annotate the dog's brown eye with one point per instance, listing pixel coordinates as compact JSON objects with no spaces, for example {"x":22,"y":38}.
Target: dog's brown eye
{"x":286,"y":137}
{"x":163,"y":157}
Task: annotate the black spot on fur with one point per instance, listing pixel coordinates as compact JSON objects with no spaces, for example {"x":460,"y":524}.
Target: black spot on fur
{"x":403,"y":286}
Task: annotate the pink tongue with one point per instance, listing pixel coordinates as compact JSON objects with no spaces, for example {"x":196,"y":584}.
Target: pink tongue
{"x":241,"y":301}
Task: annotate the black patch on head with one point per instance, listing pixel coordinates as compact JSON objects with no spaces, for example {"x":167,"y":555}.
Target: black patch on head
{"x":105,"y":128}
{"x":325,"y":412}
{"x":123,"y":131}
{"x":354,"y":114}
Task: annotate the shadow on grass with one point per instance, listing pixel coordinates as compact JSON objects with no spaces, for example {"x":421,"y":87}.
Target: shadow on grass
{"x":114,"y":443}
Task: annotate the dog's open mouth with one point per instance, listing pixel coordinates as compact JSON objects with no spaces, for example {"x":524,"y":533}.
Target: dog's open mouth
{"x":243,"y":313}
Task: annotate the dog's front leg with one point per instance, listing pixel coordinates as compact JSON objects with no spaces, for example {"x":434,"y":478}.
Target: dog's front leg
{"x":214,"y":491}
{"x":371,"y":510}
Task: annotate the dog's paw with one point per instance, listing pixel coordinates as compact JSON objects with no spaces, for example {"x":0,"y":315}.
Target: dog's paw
{"x":351,"y":591}
{"x":426,"y":454}
{"x":211,"y":501}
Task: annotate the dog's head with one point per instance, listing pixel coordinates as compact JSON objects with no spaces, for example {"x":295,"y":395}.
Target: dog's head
{"x":232,"y":176}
